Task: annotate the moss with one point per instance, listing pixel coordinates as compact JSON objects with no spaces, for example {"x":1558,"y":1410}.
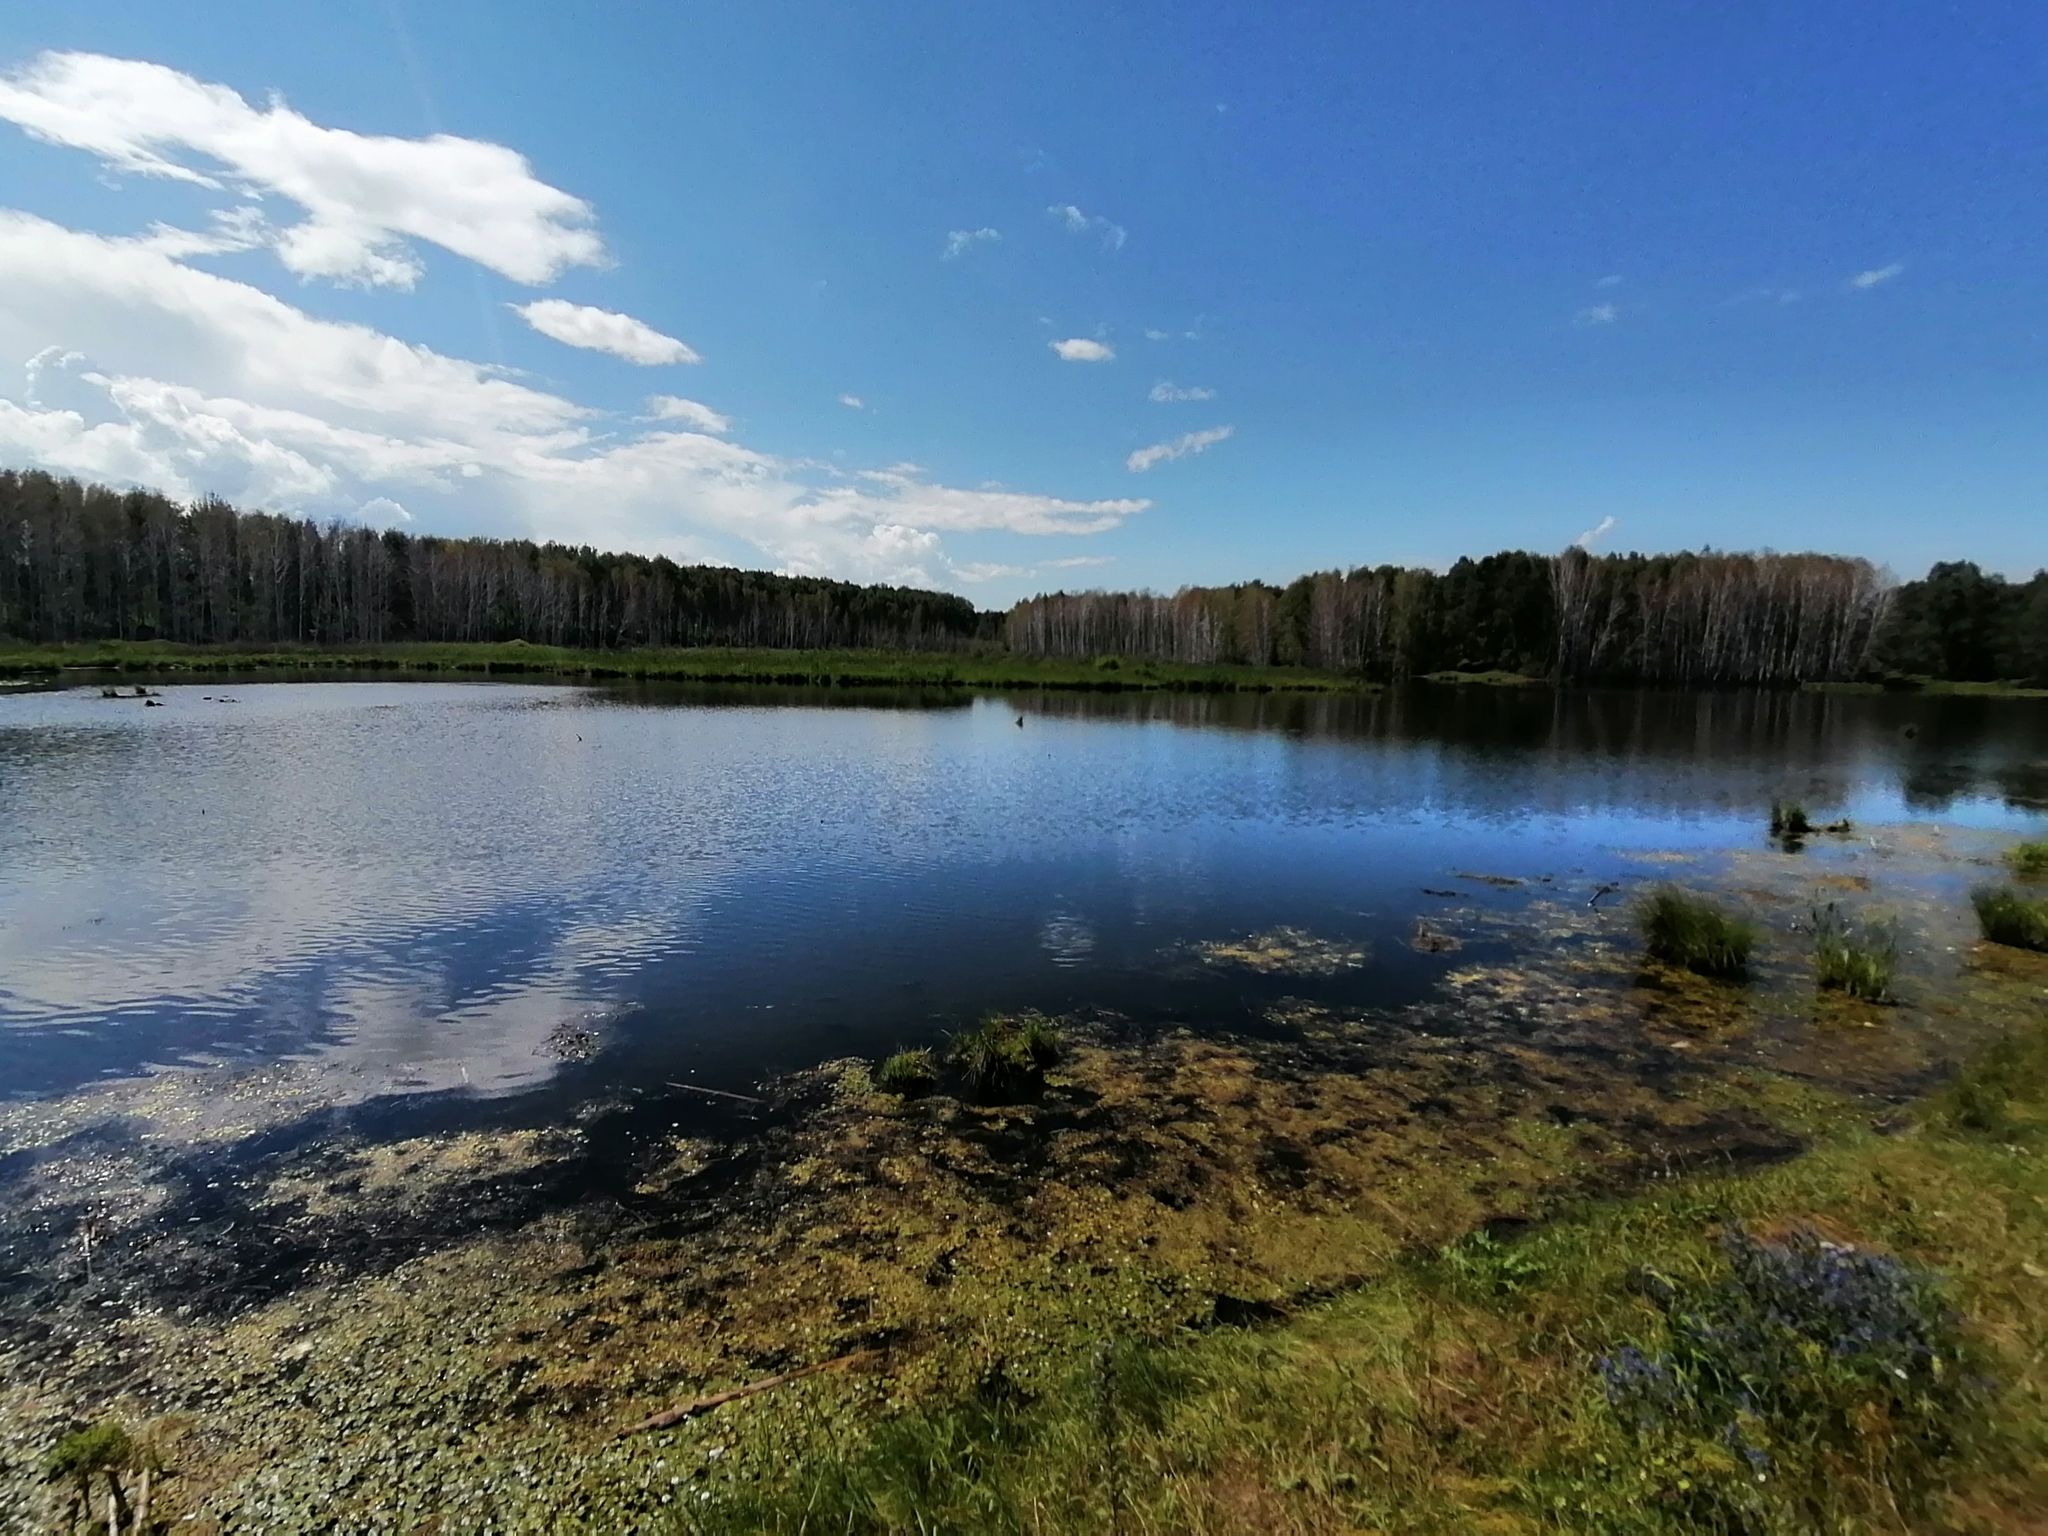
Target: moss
{"x":1691,"y":933}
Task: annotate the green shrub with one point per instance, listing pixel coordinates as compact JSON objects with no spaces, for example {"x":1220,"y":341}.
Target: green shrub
{"x":1856,"y":958}
{"x":909,"y":1073}
{"x":1689,"y":932}
{"x":2007,"y":917}
{"x":1004,"y":1055}
{"x":2029,"y":860}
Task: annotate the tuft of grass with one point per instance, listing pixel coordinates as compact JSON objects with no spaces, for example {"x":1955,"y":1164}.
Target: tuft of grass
{"x":2028,"y":860}
{"x":2007,"y":917}
{"x":1006,"y":1057}
{"x":909,"y":1073}
{"x":1690,"y":932}
{"x":1789,"y":821}
{"x":1857,"y":958}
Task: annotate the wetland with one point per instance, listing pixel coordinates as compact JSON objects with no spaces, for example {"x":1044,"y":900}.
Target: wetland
{"x":415,"y":1088}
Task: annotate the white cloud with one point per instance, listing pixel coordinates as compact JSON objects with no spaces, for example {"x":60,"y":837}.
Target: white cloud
{"x":1597,"y":314}
{"x":853,"y":402}
{"x":1612,"y":280}
{"x":960,"y":241}
{"x":1153,"y":335}
{"x":1877,"y":275}
{"x":1594,"y":534}
{"x":147,"y":371}
{"x":382,"y":512}
{"x":1179,"y":448}
{"x":601,"y":330}
{"x":690,"y":412}
{"x":1079,"y":223}
{"x":1079,"y":349}
{"x":363,"y":195}
{"x":1074,"y":561}
{"x":1166,"y":392}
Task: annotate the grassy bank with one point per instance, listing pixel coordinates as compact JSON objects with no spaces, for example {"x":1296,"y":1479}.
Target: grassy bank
{"x":903,"y":669}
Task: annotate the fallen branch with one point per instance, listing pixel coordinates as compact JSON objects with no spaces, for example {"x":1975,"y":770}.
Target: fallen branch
{"x":672,"y":1416}
{"x":718,"y":1093}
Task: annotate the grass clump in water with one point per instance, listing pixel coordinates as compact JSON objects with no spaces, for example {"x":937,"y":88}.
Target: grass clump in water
{"x":1690,"y":932}
{"x":2007,"y":917}
{"x":909,"y":1073}
{"x":1851,"y":957}
{"x":1004,"y":1055}
{"x":1789,"y":821}
{"x":2029,"y":860}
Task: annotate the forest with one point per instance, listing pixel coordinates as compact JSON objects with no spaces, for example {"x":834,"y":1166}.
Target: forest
{"x":86,"y":563}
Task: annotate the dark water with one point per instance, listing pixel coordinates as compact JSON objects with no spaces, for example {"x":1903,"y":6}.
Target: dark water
{"x":417,"y":885}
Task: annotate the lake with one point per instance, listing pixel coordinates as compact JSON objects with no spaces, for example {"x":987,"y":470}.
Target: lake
{"x":553,"y":891}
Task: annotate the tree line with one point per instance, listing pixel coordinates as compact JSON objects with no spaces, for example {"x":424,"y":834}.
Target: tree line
{"x":81,"y":562}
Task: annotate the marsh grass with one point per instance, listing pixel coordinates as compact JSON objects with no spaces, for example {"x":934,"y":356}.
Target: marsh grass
{"x":1859,"y":958}
{"x":1691,"y":933}
{"x":2028,"y":860}
{"x":909,"y":1073}
{"x":2007,"y":917}
{"x":1730,"y":1353}
{"x":1789,"y":821}
{"x":1005,"y":1056}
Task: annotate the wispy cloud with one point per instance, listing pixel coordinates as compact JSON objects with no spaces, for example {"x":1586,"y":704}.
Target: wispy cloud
{"x":961,"y":241}
{"x":853,"y":402}
{"x":364,"y":196}
{"x":1079,"y":223}
{"x":1179,"y":448}
{"x":601,"y":330}
{"x":1074,"y":561}
{"x":691,"y":413}
{"x":1080,"y":349}
{"x":1876,"y":276}
{"x":1598,"y":314}
{"x":1594,"y":534}
{"x":1166,"y":392}
{"x":1611,"y":280}
{"x":1156,"y":335}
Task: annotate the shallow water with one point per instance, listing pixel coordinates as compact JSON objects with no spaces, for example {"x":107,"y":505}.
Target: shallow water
{"x":420,"y":886}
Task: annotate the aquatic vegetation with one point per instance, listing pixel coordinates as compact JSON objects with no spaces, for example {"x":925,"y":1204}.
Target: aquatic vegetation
{"x":1782,"y":1367}
{"x":1004,"y":1055}
{"x":1690,"y":932}
{"x":1789,"y":821}
{"x":1286,"y":951}
{"x":2028,"y":860}
{"x":1852,"y":957}
{"x":908,"y":1073}
{"x":2007,"y":917}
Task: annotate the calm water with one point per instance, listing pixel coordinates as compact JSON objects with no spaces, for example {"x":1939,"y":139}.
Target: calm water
{"x":416,"y":885}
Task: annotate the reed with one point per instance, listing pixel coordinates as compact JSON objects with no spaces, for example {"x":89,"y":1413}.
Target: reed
{"x":1858,"y":958}
{"x":1691,"y":933}
{"x":1005,"y":1056}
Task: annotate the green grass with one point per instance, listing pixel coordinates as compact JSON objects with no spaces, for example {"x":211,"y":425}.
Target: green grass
{"x":1859,"y":958}
{"x":1854,"y":1341}
{"x":987,"y":668}
{"x":1006,"y":1057}
{"x":2007,"y":917}
{"x":2029,"y":860}
{"x":908,"y":1073}
{"x":1691,"y":933}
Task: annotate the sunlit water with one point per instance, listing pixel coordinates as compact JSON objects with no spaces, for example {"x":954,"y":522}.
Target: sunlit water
{"x":418,"y":885}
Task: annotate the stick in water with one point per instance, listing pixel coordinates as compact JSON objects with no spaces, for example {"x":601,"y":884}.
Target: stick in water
{"x":672,"y":1416}
{"x":718,"y":1093}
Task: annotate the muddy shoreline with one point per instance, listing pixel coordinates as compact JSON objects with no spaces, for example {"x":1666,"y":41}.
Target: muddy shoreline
{"x":350,"y":1314}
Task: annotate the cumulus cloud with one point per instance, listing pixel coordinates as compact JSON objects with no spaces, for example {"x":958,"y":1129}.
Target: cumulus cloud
{"x":689,"y":412}
{"x":1179,"y":448}
{"x":602,"y":330}
{"x":1166,"y":392}
{"x":1076,"y":222}
{"x":364,"y":195}
{"x":382,"y":512}
{"x":960,"y":241}
{"x":1876,"y":276}
{"x":143,"y":370}
{"x":1080,"y":349}
{"x":1598,"y":314}
{"x":853,"y":402}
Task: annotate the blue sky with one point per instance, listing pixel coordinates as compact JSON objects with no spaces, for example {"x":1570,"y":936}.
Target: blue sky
{"x":1408,"y":282}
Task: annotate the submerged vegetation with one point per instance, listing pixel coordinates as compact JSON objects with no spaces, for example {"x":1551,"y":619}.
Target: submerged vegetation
{"x":1693,"y":934}
{"x":1858,"y":958}
{"x":2007,"y":917}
